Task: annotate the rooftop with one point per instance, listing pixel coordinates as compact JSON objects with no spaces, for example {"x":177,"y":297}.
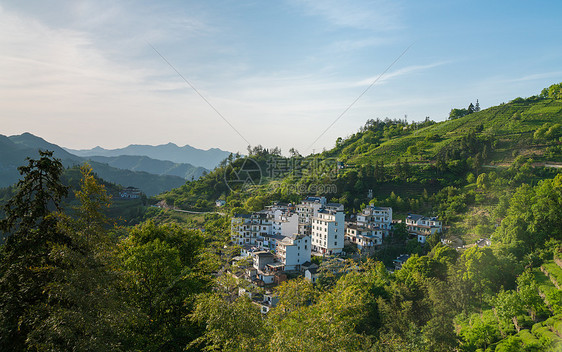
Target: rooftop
{"x":357,"y":227}
{"x":417,"y":217}
{"x":263,"y":254}
{"x":334,"y":205}
{"x":402,"y":258}
{"x":245,"y":216}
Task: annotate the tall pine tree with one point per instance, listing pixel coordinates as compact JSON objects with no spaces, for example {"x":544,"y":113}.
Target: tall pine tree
{"x":30,"y":229}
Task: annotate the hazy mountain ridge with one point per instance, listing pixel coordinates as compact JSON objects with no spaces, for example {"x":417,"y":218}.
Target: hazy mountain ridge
{"x":187,"y":154}
{"x":15,"y":149}
{"x":150,"y":165}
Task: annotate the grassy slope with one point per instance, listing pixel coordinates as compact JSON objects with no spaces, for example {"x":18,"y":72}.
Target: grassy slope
{"x":506,"y":122}
{"x":544,"y":335}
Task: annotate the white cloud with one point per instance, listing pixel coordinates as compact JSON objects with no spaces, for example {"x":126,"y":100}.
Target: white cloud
{"x":59,"y":84}
{"x":379,"y":15}
{"x":97,"y":82}
{"x":537,"y":76}
{"x":398,"y":73}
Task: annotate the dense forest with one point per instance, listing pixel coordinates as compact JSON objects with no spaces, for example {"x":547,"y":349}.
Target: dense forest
{"x":72,"y":277}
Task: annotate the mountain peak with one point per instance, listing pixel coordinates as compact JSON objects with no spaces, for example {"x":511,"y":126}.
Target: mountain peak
{"x":187,"y":154}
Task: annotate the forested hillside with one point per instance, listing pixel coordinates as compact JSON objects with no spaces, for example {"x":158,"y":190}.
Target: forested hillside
{"x":72,"y":279}
{"x":399,"y":160}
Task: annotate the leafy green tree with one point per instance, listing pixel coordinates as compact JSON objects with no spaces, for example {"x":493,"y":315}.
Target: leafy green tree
{"x":438,"y":332}
{"x":341,"y":319}
{"x":479,"y":271}
{"x":514,"y":344}
{"x":555,"y":91}
{"x":554,"y":132}
{"x":85,"y":310}
{"x":433,"y":240}
{"x":443,"y":257}
{"x":26,"y":267}
{"x":480,"y":331}
{"x":162,"y":279}
{"x":529,"y":295}
{"x":508,"y":306}
{"x":457,"y":113}
{"x":540,"y":134}
{"x":229,"y":326}
{"x":533,"y":216}
{"x":414,"y":247}
{"x":482,"y":181}
{"x":513,"y":229}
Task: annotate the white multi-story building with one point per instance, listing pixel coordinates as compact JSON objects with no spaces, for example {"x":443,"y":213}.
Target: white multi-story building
{"x":422,"y":226}
{"x":328,"y":229}
{"x":294,"y":251}
{"x":376,"y":218}
{"x":285,"y":224}
{"x":250,"y":229}
{"x":365,"y":238}
{"x":308,"y":209}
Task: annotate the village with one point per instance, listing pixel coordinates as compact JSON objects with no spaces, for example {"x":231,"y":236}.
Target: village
{"x":285,"y":241}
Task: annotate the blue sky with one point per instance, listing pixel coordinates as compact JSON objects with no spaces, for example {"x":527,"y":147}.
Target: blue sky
{"x":82,"y":73}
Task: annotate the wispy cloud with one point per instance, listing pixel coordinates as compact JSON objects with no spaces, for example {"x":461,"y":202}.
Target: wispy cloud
{"x":379,"y":15}
{"x":354,"y":44}
{"x":537,"y":76}
{"x":400,"y":72}
{"x":63,"y":77}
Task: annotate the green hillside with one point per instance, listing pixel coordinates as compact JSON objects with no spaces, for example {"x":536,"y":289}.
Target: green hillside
{"x":150,"y":184}
{"x":180,"y":277}
{"x":417,"y":167}
{"x":509,"y":126}
{"x":123,"y":211}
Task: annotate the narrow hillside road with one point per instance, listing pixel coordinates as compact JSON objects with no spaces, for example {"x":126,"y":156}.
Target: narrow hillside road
{"x":197,"y":212}
{"x":547,"y":164}
{"x":163,"y":205}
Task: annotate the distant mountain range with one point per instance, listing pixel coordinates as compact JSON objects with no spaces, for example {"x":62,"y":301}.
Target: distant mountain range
{"x":187,"y":154}
{"x":150,"y":175}
{"x":153,"y":166}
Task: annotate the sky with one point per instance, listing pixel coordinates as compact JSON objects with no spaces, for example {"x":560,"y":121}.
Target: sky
{"x":228,"y":73}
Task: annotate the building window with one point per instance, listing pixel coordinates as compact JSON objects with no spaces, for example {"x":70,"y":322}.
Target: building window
{"x":335,"y":243}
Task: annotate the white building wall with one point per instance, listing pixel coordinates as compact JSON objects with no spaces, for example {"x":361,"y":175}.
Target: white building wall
{"x":286,"y":225}
{"x":328,"y":232}
{"x":294,"y":252}
{"x":249,"y":230}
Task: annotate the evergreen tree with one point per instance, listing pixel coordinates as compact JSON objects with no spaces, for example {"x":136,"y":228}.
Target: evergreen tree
{"x":26,"y":269}
{"x":84,"y":308}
